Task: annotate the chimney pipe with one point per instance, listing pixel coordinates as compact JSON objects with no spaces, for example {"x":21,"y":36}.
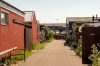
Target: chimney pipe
{"x":96,"y":16}
{"x":93,"y":18}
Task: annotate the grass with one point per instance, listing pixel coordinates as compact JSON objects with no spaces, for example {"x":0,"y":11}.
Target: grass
{"x":20,"y":56}
{"x":42,"y":45}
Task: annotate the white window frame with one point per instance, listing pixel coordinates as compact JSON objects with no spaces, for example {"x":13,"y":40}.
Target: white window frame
{"x":6,"y":17}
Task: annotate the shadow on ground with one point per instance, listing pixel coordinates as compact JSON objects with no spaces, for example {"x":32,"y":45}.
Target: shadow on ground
{"x":89,"y":65}
{"x":71,"y":48}
{"x":65,"y":44}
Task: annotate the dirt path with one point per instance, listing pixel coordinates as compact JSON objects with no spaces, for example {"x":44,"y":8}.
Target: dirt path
{"x":54,"y":54}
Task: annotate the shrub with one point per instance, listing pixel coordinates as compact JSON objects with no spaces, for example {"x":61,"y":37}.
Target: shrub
{"x":95,"y":56}
{"x":80,"y":54}
{"x":49,"y":33}
{"x":79,"y":50}
{"x":77,"y":47}
{"x":73,"y":44}
{"x":76,"y":29}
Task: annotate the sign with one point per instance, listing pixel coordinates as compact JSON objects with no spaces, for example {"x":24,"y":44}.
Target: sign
{"x":18,"y":21}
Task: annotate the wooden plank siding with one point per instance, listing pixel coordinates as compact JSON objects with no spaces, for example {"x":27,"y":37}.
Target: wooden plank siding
{"x":88,"y":40}
{"x":36,"y":35}
{"x":11,"y":35}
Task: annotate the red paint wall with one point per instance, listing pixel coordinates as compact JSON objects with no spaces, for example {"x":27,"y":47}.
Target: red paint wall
{"x":13,"y":34}
{"x":36,"y":36}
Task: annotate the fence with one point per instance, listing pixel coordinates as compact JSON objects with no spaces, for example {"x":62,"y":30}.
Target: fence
{"x":90,"y":36}
{"x":9,"y":54}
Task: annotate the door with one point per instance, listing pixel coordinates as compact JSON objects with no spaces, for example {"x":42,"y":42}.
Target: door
{"x":28,"y":38}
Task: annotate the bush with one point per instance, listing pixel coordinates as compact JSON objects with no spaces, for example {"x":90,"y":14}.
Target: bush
{"x":80,"y":54}
{"x":49,"y":33}
{"x":76,"y":29}
{"x":95,"y":56}
{"x":73,"y":44}
{"x":79,"y":50}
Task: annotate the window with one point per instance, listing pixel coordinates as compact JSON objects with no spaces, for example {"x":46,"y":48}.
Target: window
{"x":4,"y":18}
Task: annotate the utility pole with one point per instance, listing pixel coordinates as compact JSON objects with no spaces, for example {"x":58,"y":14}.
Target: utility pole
{"x":57,"y":21}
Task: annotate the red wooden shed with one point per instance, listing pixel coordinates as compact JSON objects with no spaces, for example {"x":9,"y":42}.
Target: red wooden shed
{"x":11,"y":34}
{"x":30,"y":17}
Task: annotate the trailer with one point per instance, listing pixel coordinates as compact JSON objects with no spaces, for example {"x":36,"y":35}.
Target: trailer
{"x":60,"y":33}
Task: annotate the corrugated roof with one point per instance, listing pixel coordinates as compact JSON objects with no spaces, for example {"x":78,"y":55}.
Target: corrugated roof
{"x":12,"y":6}
{"x":29,"y":16}
{"x":80,"y":19}
{"x":55,"y":24}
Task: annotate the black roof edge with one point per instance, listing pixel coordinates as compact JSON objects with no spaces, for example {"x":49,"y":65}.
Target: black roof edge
{"x":28,"y":11}
{"x":12,"y":6}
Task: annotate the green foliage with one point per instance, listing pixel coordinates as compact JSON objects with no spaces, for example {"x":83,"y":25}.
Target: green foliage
{"x":42,"y":45}
{"x":51,"y":39}
{"x":80,"y":54}
{"x":95,"y":56}
{"x":76,"y":29}
{"x":49,"y":33}
{"x":73,"y":43}
{"x":18,"y":57}
{"x":79,"y":50}
{"x":37,"y":46}
{"x":7,"y":61}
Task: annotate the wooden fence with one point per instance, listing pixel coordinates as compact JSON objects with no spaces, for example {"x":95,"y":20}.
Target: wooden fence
{"x":90,"y":36}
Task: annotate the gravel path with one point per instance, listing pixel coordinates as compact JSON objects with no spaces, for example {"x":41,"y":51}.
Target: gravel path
{"x":54,"y":54}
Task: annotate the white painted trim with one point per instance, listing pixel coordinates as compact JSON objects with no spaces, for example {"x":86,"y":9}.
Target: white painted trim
{"x":4,"y":11}
{"x":9,"y":50}
{"x":3,"y":5}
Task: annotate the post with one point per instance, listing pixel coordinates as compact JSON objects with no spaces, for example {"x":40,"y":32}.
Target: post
{"x":10,"y":56}
{"x":57,"y":21}
{"x":24,"y":55}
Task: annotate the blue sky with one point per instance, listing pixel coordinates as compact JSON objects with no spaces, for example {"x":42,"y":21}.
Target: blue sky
{"x":47,"y":11}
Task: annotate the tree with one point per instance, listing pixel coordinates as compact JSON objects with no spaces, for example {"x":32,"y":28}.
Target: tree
{"x":49,"y":33}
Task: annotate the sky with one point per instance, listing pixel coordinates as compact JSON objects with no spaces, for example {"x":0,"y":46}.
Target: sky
{"x":47,"y":11}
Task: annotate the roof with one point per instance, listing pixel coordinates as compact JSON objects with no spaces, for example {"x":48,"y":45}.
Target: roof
{"x":95,"y":24}
{"x":29,"y":16}
{"x":79,"y":19}
{"x":79,"y":23}
{"x":53,"y":24}
{"x":12,"y":6}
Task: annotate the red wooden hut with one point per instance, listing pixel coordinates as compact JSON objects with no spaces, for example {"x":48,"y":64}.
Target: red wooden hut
{"x":30,"y":17}
{"x":11,"y":34}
